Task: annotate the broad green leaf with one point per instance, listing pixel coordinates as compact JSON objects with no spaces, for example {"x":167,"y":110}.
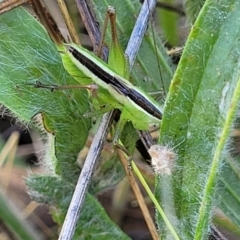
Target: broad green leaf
{"x":28,"y":55}
{"x":93,"y":221}
{"x":198,"y":116}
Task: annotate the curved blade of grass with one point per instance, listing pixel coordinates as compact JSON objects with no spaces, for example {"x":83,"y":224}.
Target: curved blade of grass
{"x":153,"y":199}
{"x":10,"y":216}
{"x":197,"y":117}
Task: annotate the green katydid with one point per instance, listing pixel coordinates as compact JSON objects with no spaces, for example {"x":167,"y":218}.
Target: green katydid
{"x":114,"y":91}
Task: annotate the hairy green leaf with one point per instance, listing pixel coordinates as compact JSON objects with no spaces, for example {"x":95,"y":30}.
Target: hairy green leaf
{"x":93,"y":219}
{"x":27,"y":56}
{"x":198,"y":116}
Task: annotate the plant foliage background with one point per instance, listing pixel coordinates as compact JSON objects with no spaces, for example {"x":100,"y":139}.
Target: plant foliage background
{"x":198,"y":115}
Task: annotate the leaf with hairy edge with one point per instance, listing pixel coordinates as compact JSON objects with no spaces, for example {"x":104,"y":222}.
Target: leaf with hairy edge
{"x":28,"y":55}
{"x":198,"y":116}
{"x":93,"y":220}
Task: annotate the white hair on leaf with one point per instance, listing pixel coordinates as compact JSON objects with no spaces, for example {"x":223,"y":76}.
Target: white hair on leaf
{"x":163,"y":159}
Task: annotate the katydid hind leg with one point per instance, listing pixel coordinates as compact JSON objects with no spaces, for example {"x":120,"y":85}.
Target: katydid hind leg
{"x":119,"y":129}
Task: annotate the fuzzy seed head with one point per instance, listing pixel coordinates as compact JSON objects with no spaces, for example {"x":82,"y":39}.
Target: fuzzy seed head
{"x":163,"y":159}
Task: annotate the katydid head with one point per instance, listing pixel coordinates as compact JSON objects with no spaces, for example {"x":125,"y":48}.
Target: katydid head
{"x":111,"y":11}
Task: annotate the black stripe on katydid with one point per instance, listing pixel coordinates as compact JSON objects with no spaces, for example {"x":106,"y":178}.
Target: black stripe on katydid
{"x":131,"y":93}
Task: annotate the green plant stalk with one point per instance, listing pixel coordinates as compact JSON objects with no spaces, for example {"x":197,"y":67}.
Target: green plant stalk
{"x":154,"y":200}
{"x":208,"y":192}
